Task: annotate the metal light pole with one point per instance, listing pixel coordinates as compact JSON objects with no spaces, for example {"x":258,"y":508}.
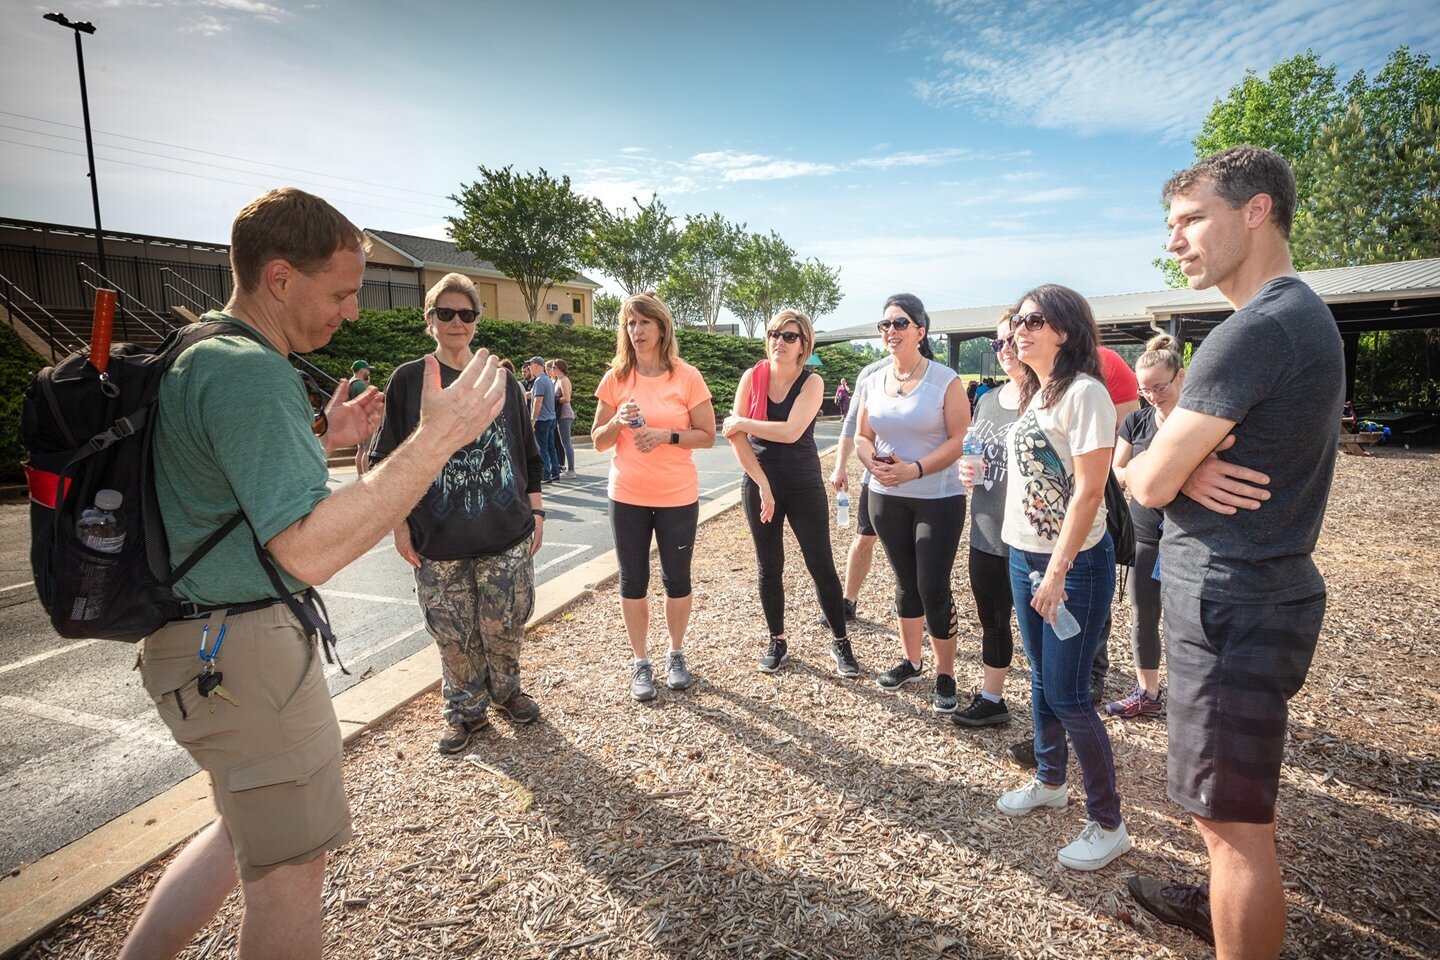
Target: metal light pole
{"x":80,"y":28}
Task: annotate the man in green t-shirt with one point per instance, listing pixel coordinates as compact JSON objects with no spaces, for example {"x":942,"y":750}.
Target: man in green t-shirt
{"x":237,"y":434}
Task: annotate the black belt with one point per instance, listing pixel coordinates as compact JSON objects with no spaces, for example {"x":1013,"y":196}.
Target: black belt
{"x":194,"y":611}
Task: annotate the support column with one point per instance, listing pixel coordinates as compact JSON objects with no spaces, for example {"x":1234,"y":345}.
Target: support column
{"x":1351,"y":342}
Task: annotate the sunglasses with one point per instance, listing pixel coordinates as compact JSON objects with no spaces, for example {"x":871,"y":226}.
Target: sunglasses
{"x":446,"y":314}
{"x":1031,"y":321}
{"x":1001,"y":343}
{"x":899,"y":323}
{"x":789,"y":336}
{"x":319,"y":399}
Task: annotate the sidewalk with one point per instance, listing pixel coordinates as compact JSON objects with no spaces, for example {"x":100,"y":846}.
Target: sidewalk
{"x":803,"y":815}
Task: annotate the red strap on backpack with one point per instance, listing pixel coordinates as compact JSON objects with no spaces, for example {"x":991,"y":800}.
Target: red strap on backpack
{"x":759,"y":391}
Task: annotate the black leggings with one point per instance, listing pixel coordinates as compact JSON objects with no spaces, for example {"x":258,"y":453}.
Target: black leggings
{"x":994,"y":602}
{"x":674,"y":529}
{"x":921,"y":538}
{"x":1144,"y":591}
{"x":807,"y":507}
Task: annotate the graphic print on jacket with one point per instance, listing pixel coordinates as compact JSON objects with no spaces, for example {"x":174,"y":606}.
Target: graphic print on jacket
{"x":1047,"y":486}
{"x":476,"y":478}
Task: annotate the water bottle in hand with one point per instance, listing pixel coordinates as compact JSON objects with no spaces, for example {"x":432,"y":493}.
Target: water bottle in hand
{"x":973,"y":453}
{"x":639,"y":420}
{"x":1065,"y":626}
{"x":98,"y":528}
{"x":842,"y":510}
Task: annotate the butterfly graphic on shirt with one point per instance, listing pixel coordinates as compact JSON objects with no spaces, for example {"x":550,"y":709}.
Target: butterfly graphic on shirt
{"x":1047,"y":485}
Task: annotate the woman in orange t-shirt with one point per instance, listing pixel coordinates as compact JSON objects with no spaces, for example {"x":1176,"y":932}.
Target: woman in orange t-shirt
{"x":654,"y":408}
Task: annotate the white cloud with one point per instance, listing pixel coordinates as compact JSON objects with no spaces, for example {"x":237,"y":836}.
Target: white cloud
{"x":779,"y":170}
{"x":923,"y":158}
{"x":1094,"y":67}
{"x":1049,"y":196}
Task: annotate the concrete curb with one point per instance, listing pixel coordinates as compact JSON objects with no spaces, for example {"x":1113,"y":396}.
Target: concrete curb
{"x":39,"y":896}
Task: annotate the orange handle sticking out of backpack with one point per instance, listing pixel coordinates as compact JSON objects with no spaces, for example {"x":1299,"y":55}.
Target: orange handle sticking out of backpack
{"x":101,"y":328}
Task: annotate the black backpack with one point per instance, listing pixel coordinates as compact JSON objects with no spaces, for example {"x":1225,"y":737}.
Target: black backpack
{"x":85,"y":432}
{"x":1118,"y":522}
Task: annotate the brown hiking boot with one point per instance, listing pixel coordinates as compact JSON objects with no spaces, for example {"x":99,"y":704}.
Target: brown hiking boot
{"x":455,"y":739}
{"x":521,"y":708}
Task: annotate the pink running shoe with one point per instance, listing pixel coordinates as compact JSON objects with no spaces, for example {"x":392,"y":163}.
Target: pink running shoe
{"x":1137,"y":704}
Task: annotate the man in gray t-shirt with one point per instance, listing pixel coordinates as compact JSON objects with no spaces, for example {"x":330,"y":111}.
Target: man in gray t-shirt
{"x":1243,"y":600}
{"x":542,"y":414}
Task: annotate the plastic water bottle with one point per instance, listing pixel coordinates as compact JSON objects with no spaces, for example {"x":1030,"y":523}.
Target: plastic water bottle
{"x":1065,"y":625}
{"x":842,"y":509}
{"x":98,"y":528}
{"x":973,"y":452}
{"x":639,"y":420}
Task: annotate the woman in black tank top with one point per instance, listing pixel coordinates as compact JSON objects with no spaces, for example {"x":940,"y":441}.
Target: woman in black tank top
{"x":783,"y":481}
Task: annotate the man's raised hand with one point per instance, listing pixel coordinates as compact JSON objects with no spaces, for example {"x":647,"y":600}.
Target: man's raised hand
{"x":459,"y":413}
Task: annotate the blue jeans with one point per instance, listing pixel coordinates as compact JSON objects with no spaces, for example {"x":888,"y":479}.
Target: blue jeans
{"x":1060,"y":675}
{"x":545,"y":437}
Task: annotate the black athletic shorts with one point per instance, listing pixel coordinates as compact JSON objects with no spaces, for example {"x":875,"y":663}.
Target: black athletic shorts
{"x":1233,"y":668}
{"x":863,"y":525}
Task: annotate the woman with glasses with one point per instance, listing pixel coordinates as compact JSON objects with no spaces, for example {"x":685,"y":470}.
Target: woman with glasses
{"x":772,"y":433}
{"x":654,"y":408}
{"x":472,"y":536}
{"x":911,"y":431}
{"x":1161,"y":373}
{"x":1061,"y":554}
{"x":995,"y":413}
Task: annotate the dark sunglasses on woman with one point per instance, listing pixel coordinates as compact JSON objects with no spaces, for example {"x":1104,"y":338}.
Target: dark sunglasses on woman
{"x":1031,"y":321}
{"x":446,"y":314}
{"x":1001,"y":343}
{"x":899,"y":323}
{"x":789,"y":336}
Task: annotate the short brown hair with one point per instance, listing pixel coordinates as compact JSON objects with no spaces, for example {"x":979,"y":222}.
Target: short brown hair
{"x":1238,"y":174}
{"x":290,"y":225}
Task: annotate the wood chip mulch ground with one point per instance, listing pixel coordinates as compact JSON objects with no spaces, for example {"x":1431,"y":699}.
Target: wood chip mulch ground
{"x":801,"y":815}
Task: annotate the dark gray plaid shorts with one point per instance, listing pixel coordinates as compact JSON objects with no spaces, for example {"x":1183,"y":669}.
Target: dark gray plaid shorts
{"x":1233,"y":668}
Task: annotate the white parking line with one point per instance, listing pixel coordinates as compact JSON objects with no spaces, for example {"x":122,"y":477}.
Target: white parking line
{"x":574,"y":549}
{"x":372,"y":597}
{"x":125,"y":730}
{"x":385,"y":644}
{"x":16,"y":586}
{"x":37,"y":658}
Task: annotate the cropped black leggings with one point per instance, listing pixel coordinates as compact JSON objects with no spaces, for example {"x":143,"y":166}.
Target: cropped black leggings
{"x":1144,"y":591}
{"x":674,"y":531}
{"x":921,"y":538}
{"x":807,"y":507}
{"x":994,"y":602}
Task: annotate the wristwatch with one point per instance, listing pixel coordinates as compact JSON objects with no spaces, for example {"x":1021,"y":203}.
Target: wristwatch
{"x":674,"y":437}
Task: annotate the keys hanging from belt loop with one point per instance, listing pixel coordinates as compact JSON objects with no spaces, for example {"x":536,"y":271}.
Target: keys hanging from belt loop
{"x":208,"y":682}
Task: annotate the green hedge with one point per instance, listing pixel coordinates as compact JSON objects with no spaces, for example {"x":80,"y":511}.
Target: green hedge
{"x":17,"y":364}
{"x":386,"y":339}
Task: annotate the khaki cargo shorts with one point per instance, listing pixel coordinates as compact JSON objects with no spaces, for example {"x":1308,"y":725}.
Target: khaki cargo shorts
{"x":273,"y":756}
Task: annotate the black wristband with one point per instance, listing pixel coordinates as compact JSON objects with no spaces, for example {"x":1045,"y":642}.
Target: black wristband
{"x":921,"y":467}
{"x":537,"y":513}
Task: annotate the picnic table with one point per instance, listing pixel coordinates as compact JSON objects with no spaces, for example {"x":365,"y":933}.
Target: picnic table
{"x":1355,"y":443}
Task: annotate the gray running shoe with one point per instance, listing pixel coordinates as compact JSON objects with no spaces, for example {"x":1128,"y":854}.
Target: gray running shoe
{"x":775,"y":655}
{"x":677,"y":677}
{"x":642,"y":682}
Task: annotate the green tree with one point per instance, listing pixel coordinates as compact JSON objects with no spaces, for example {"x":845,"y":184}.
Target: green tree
{"x":607,"y":310}
{"x":530,"y":226}
{"x":1283,"y":111}
{"x":819,"y":291}
{"x":766,"y":279}
{"x":636,"y":250}
{"x":709,"y":246}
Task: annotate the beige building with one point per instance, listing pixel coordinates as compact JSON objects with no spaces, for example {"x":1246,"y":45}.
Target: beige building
{"x":404,"y":258}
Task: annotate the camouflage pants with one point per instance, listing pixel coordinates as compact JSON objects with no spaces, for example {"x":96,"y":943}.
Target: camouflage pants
{"x":476,"y":610}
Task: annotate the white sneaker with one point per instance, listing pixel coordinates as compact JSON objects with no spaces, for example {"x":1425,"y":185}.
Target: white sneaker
{"x":569,"y":475}
{"x":1017,"y":803}
{"x":1095,"y":847}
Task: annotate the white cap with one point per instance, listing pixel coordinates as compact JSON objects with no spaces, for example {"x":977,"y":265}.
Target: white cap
{"x":109,"y":499}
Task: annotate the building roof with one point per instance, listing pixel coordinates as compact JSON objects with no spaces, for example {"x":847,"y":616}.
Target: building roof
{"x":1336,"y":285}
{"x":442,"y":253}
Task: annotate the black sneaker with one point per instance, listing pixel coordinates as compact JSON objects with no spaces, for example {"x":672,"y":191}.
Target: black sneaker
{"x":844,"y":657}
{"x":521,"y":708}
{"x":1023,"y":753}
{"x":1179,"y":904}
{"x":944,"y":701}
{"x":850,"y":606}
{"x":899,"y":675}
{"x":982,"y":713}
{"x":775,"y":657}
{"x":456,"y":739}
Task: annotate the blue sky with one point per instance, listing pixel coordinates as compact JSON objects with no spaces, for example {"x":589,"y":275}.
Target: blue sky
{"x":960,"y":150}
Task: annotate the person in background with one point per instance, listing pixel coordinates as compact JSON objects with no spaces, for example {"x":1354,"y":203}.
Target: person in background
{"x":1244,"y":601}
{"x":1059,"y":455}
{"x":862,"y":548}
{"x":982,"y":388}
{"x":653,"y":409}
{"x":1161,"y":374}
{"x":911,"y":431}
{"x":542,"y":412}
{"x":774,"y":440}
{"x":989,"y":566}
{"x":359,"y":383}
{"x":471,"y":538}
{"x":565,"y":417}
{"x":842,"y":397}
{"x":510,"y":367}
